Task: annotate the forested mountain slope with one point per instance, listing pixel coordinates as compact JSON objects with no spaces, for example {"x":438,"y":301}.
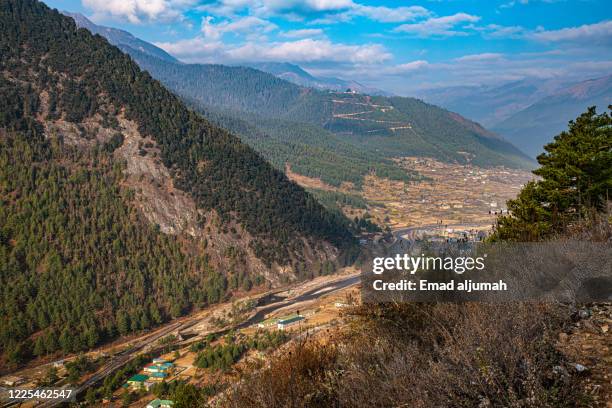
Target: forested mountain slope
{"x":380,"y":127}
{"x":119,"y":206}
{"x":333,"y":136}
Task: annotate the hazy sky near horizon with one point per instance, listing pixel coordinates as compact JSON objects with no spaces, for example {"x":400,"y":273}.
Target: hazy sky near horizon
{"x":399,"y":46}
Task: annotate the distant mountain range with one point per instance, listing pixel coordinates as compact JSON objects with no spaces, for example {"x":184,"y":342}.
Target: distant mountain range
{"x":284,"y":70}
{"x":119,"y":37}
{"x":490,"y":105}
{"x":533,"y":127}
{"x":297,"y":75}
{"x":530,"y":112}
{"x":335,"y":136}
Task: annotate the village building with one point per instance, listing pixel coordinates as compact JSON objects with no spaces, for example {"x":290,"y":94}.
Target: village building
{"x":137,"y":381}
{"x":158,"y":368}
{"x":158,"y":376}
{"x":268,"y":322}
{"x":12,"y":381}
{"x":288,"y":321}
{"x":157,"y":403}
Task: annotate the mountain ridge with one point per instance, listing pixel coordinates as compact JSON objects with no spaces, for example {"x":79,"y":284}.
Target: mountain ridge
{"x":536,"y":125}
{"x":239,"y":89}
{"x":381,"y":129}
{"x":120,"y":208}
{"x":491,"y":104}
{"x":297,"y":75}
{"x":119,"y":37}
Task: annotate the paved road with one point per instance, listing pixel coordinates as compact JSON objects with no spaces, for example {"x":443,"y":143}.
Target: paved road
{"x":121,"y":359}
{"x":270,"y":303}
{"x":398,"y":234}
{"x":311,"y":294}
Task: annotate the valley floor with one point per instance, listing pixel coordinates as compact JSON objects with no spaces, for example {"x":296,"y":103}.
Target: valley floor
{"x":453,"y":194}
{"x":312,"y":299}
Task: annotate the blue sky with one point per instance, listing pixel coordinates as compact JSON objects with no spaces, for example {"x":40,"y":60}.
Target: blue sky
{"x":399,"y":46}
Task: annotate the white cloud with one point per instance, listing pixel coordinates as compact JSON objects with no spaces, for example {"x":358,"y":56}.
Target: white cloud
{"x":138,"y":11}
{"x":250,"y":25}
{"x":499,"y":70}
{"x":225,"y":8}
{"x":598,"y":32}
{"x":486,"y":56}
{"x":309,"y":50}
{"x":308,"y":5}
{"x":499,"y":31}
{"x":328,"y":19}
{"x":305,"y":32}
{"x":390,"y":15}
{"x":210,"y":29}
{"x":439,"y":26}
{"x":512,"y":3}
{"x":201,"y":49}
{"x":405,"y":68}
{"x":276,"y":7}
{"x":194,"y":49}
{"x":333,"y":10}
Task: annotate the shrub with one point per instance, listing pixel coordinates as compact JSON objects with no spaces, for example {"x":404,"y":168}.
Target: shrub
{"x":423,"y":355}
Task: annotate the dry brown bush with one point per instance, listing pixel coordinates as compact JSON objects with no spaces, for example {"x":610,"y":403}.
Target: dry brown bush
{"x":432,"y":355}
{"x":449,"y":355}
{"x":596,"y":227}
{"x":299,"y":377}
{"x":424,"y":355}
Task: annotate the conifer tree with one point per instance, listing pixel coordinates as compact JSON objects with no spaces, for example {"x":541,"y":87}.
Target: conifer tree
{"x":575,"y":178}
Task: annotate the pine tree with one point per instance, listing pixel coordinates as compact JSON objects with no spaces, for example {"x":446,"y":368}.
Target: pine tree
{"x":576,"y":177}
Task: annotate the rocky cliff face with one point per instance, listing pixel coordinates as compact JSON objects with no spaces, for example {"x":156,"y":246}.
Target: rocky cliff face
{"x":186,"y":176}
{"x":120,"y":208}
{"x":172,"y":210}
{"x":156,"y":196}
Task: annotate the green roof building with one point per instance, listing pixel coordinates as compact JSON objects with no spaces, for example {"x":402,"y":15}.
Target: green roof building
{"x":287,"y":321}
{"x":157,"y":403}
{"x":137,"y":381}
{"x":159,"y":375}
{"x":138,"y":378}
{"x":268,"y":322}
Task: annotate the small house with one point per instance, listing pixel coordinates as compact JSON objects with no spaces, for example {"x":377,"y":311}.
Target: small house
{"x":12,"y":381}
{"x":285,"y":322}
{"x":268,"y":322}
{"x":137,"y":381}
{"x":157,"y":403}
{"x":158,"y":376}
